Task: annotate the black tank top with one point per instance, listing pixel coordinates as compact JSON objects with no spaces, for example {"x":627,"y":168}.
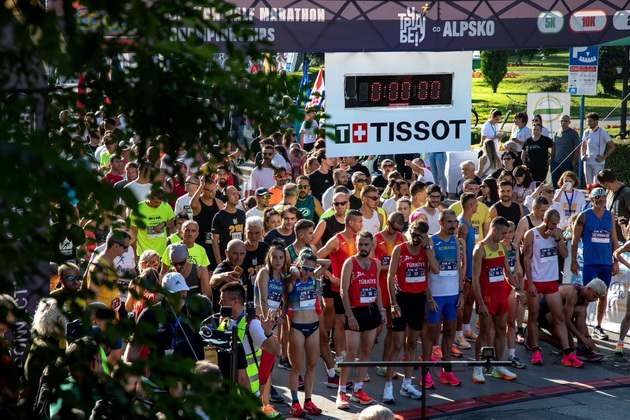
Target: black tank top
{"x":332,"y":228}
{"x":529,"y":222}
{"x":512,"y":213}
{"x":193,"y":281}
{"x":204,"y":219}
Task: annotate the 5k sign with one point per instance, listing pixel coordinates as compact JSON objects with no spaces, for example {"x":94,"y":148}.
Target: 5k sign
{"x":396,"y":103}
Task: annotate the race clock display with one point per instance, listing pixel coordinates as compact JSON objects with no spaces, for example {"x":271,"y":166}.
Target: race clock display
{"x":398,"y":90}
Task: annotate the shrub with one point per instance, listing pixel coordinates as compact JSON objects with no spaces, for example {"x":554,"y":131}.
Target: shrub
{"x":618,"y":161}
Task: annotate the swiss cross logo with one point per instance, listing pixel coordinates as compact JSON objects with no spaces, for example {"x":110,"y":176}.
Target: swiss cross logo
{"x":359,"y":133}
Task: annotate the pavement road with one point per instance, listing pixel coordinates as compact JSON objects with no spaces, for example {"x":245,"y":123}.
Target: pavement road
{"x":586,"y":405}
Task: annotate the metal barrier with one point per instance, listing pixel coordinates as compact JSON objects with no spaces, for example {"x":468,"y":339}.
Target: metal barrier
{"x":457,"y":366}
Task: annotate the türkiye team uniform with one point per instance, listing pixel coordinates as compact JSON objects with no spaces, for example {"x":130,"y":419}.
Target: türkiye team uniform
{"x":383,"y":252}
{"x":445,"y":284}
{"x":363,"y":293}
{"x":492,"y":279}
{"x":345,"y":251}
{"x":411,"y":282}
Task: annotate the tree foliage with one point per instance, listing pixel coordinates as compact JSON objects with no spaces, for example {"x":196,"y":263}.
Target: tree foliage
{"x":175,"y":91}
{"x":493,"y":67}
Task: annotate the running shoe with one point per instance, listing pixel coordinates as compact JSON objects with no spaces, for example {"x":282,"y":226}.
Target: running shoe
{"x":516,"y":362}
{"x":537,"y":358}
{"x":428,"y":384}
{"x":450,"y":378}
{"x":360,"y":396}
{"x":381,"y":371}
{"x":455,"y":352}
{"x":470,"y":335}
{"x":275,"y":397}
{"x":571,"y":360}
{"x":366,"y":378}
{"x":284,"y":364}
{"x":502,"y":372}
{"x":588,"y":355}
{"x":297,"y":411}
{"x":338,"y":359}
{"x":462,"y":343}
{"x":342,"y":401}
{"x":269,"y":411}
{"x":599,"y":334}
{"x":437,"y":352}
{"x":520,"y":335}
{"x":619,"y":349}
{"x":334,"y":382}
{"x":408,"y":390}
{"x":312,"y":409}
{"x":388,"y":394}
{"x":477,"y":375}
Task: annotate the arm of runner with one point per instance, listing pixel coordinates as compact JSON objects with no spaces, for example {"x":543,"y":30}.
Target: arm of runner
{"x":478,"y":254}
{"x":528,"y":244}
{"x":578,"y":228}
{"x":346,"y":276}
{"x":204,"y":281}
{"x":391,"y":284}
{"x":618,"y":254}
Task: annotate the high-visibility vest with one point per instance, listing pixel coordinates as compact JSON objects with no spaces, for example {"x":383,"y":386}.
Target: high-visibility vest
{"x":253,"y":359}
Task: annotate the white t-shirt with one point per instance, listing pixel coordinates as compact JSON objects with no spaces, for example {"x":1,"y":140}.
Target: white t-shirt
{"x":595,"y":144}
{"x":427,"y":177}
{"x":389,"y":206}
{"x":261,"y":178}
{"x":433,"y":220}
{"x":491,"y":130}
{"x":140,"y":191}
{"x":279,"y":161}
{"x":124,"y":264}
{"x":308,"y":133}
{"x":569,"y":204}
{"x":254,"y":212}
{"x":183,"y":205}
{"x":521,"y":134}
{"x":327,"y":198}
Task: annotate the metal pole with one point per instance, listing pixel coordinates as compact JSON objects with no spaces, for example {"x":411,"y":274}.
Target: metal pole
{"x":424,"y":392}
{"x":581,"y":166}
{"x":624,"y":104}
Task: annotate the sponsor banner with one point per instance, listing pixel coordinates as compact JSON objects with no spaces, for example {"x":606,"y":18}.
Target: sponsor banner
{"x":394,"y":103}
{"x":583,"y":62}
{"x":550,"y":106}
{"x":375,"y":25}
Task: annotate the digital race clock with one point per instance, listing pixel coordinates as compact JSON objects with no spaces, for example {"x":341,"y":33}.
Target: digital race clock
{"x":398,"y":90}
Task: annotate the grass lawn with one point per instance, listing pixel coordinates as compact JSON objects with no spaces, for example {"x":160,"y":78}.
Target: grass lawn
{"x":551,"y":77}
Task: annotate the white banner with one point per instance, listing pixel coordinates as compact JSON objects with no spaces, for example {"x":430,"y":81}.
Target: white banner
{"x":551,"y":106}
{"x":394,"y":103}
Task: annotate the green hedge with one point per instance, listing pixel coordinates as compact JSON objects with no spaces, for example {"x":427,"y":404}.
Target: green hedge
{"x":619,"y":161}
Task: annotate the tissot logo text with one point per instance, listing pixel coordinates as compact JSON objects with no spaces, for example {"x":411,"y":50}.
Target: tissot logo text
{"x":398,"y":131}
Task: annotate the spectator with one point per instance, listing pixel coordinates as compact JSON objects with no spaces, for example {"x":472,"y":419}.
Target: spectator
{"x":597,"y":146}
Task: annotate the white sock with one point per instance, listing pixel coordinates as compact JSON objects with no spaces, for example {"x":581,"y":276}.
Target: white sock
{"x":435,"y":347}
{"x":465,"y":327}
{"x":342,"y":389}
{"x":388,"y":383}
{"x":331,"y":373}
{"x":406,"y":381}
{"x":459,"y":334}
{"x":511,"y":352}
{"x":358,"y":386}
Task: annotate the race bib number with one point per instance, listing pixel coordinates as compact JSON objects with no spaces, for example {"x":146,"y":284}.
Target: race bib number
{"x":210,"y":354}
{"x":448,"y":268}
{"x":307,"y":298}
{"x":168,"y":352}
{"x":512,"y":262}
{"x":548,"y":254}
{"x":209,"y":238}
{"x":237,"y":235}
{"x":116,"y":304}
{"x":386,"y":260}
{"x":495,"y":274}
{"x":476,"y":228}
{"x":368,"y":295}
{"x":152,"y":234}
{"x":600,"y":237}
{"x":415,"y":275}
{"x":274,"y":299}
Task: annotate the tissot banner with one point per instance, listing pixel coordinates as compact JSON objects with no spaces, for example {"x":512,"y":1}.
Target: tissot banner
{"x":358,"y":26}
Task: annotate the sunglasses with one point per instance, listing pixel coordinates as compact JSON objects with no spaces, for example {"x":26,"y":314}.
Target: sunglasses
{"x":281,"y":176}
{"x":304,"y":187}
{"x":266,"y":196}
{"x":269,"y":154}
{"x":506,"y":158}
{"x":549,"y":191}
{"x":371,"y":197}
{"x":179,"y":263}
{"x":397,"y":229}
{"x":189,"y":183}
{"x":416,"y":235}
{"x":307,"y":268}
{"x":361,"y":181}
{"x":154,"y":263}
{"x":339,"y":203}
{"x":436,"y":197}
{"x":125,"y":247}
{"x":388,"y":165}
{"x":71,"y":278}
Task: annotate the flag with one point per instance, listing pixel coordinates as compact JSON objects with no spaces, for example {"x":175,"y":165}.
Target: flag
{"x":319,"y":89}
{"x":305,"y":85}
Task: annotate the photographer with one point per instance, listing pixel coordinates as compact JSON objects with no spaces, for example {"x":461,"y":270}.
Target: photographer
{"x":254,"y":334}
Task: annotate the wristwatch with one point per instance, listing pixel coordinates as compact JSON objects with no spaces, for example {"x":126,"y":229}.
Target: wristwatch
{"x":427,"y":247}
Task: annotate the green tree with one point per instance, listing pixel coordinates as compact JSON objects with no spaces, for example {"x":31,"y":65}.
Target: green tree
{"x":175,"y":93}
{"x":611,"y":60}
{"x":493,"y":67}
{"x":527,"y":54}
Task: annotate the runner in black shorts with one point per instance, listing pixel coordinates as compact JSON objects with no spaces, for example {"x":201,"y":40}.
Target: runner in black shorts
{"x":407,"y":280}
